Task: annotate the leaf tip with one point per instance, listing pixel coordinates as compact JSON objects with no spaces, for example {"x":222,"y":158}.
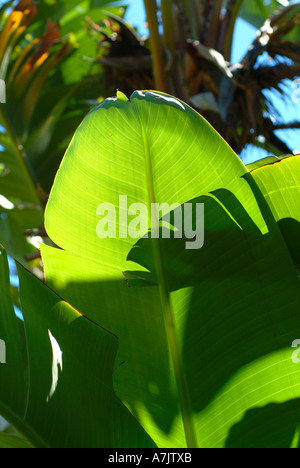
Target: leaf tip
{"x":121,"y":96}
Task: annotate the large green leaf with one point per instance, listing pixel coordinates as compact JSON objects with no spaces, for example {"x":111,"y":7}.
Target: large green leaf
{"x":265,"y":162}
{"x":10,"y":441}
{"x":56,"y":385}
{"x":279,"y":182}
{"x":210,"y":343}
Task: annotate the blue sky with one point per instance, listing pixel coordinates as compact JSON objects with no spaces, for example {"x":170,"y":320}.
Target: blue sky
{"x":243,"y":37}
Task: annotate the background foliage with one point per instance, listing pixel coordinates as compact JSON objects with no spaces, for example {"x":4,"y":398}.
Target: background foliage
{"x":158,"y":383}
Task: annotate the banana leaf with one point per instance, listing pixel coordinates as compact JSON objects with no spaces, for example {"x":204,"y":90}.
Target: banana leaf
{"x":205,"y":335}
{"x":56,"y":380}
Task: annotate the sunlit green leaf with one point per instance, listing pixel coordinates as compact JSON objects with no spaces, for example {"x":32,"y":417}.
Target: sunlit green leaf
{"x":56,"y":384}
{"x":280,"y":184}
{"x":212,"y":342}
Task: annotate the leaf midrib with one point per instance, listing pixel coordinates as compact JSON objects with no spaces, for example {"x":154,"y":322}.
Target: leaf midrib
{"x":168,"y":313}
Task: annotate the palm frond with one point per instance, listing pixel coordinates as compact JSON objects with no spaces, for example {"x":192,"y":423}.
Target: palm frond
{"x":232,"y":97}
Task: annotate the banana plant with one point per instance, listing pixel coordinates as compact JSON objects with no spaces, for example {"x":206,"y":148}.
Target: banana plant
{"x":205,"y":335}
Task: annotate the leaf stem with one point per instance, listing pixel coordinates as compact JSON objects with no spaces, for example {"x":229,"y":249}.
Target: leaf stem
{"x":184,"y":398}
{"x":166,"y":11}
{"x":159,"y":72}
